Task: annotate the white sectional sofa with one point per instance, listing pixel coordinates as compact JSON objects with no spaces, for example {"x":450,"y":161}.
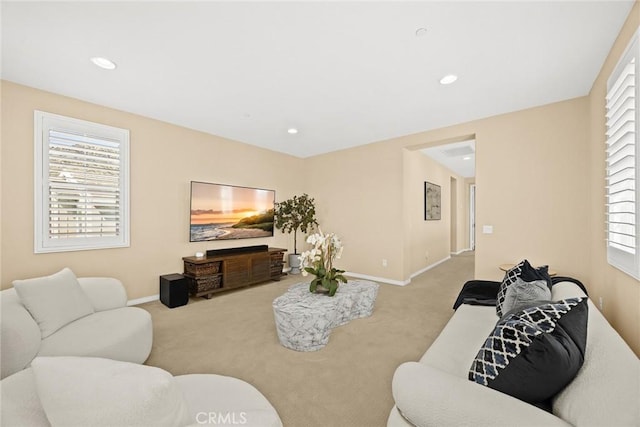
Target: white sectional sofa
{"x":88,"y":371}
{"x":436,"y":390}
{"x":112,"y":330}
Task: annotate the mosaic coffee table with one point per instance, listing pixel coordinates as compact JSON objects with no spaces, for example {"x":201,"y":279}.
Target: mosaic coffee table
{"x":304,"y":320}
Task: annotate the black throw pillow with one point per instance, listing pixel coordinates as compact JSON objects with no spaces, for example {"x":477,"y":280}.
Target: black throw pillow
{"x":527,"y":273}
{"x":533,"y":353}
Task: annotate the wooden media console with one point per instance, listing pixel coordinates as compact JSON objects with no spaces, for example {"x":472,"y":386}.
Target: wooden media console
{"x":222,"y":272}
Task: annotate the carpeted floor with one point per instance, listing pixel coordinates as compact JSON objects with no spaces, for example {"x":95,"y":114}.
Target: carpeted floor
{"x":347,"y":383}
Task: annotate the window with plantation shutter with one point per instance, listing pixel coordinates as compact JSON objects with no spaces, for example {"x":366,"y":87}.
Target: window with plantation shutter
{"x":82,"y":185}
{"x":623,"y":232}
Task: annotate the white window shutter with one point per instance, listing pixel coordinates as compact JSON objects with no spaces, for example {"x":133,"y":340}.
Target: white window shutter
{"x":622,"y":169}
{"x":82,"y":185}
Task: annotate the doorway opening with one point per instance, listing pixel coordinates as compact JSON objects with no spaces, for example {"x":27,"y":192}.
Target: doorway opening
{"x":454,"y":215}
{"x":472,"y":217}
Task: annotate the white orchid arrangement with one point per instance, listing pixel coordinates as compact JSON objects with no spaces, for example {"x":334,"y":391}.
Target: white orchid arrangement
{"x":319,"y":261}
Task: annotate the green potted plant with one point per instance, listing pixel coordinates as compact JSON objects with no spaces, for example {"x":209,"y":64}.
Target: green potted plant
{"x":297,"y":213}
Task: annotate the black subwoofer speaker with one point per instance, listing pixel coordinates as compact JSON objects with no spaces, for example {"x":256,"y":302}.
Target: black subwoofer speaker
{"x":174,"y":290}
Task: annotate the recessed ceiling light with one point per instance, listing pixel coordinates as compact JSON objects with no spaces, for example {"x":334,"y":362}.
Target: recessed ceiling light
{"x":448,"y":79}
{"x":292,"y":131}
{"x":466,"y":158}
{"x":104,"y":63}
{"x":421,"y":32}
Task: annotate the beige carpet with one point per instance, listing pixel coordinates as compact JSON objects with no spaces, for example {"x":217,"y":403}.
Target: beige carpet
{"x":347,"y":383}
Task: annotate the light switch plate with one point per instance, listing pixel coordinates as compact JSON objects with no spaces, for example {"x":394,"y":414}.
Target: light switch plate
{"x":487,"y":229}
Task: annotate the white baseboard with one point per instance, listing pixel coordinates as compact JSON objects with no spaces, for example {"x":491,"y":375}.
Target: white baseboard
{"x":395,"y":282}
{"x":348,"y":273}
{"x":143,"y":300}
{"x":460,"y":251}
{"x":429,"y":267}
{"x":377,"y":279}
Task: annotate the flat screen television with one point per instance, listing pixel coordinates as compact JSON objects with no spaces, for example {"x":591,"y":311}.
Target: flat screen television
{"x":223,"y":212}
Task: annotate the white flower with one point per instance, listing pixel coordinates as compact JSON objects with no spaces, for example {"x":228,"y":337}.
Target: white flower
{"x":326,"y":248}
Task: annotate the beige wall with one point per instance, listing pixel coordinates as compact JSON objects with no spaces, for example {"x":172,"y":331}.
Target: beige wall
{"x":620,"y":293}
{"x":359,"y":193}
{"x":428,"y":242}
{"x":468,"y":182}
{"x":462,"y":241}
{"x":164,"y":159}
{"x":1,"y":180}
{"x":532,"y":187}
{"x":372,"y":196}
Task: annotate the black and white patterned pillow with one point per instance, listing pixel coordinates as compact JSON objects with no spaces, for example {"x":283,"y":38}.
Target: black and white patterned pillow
{"x":534,"y":352}
{"x":524,"y":271}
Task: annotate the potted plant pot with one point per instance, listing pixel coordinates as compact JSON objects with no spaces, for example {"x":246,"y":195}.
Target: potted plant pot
{"x":294,"y":263}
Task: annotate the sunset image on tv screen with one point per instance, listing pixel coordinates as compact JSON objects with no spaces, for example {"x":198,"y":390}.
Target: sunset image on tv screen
{"x":221,"y":212}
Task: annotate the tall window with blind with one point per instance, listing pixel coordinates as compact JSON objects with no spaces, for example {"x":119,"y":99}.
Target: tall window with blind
{"x":82,"y":185}
{"x":623,"y":232}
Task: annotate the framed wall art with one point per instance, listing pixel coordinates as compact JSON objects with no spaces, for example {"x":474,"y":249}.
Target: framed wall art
{"x":432,"y":201}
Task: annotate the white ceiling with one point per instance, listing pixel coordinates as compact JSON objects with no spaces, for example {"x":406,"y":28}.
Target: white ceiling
{"x":342,"y":73}
{"x":460,"y":157}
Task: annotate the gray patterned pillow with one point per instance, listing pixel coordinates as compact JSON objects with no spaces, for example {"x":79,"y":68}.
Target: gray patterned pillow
{"x":521,"y":293}
{"x":522,"y":270}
